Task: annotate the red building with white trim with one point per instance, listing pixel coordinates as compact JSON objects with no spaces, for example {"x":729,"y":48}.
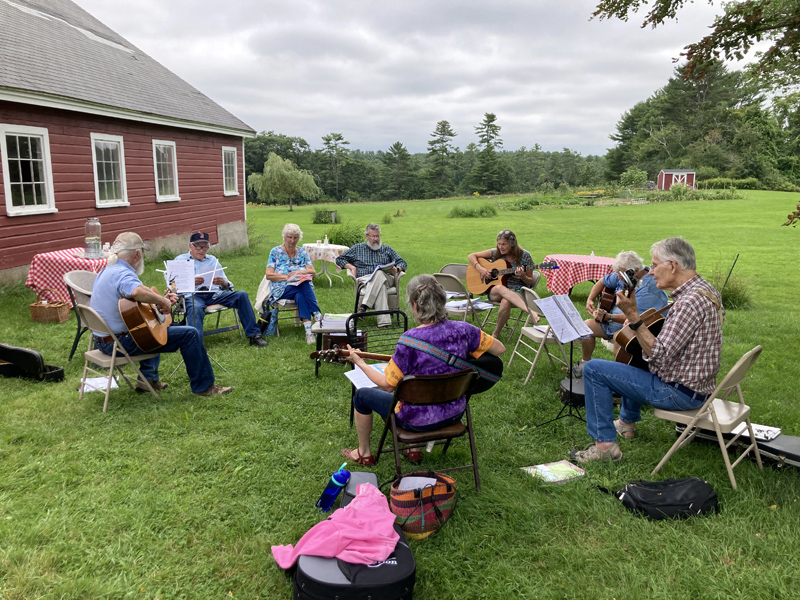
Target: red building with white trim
{"x":90,"y":126}
{"x":669,"y":177}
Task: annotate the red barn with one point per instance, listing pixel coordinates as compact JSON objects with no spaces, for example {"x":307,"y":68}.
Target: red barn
{"x":90,"y":126}
{"x":668,"y":177}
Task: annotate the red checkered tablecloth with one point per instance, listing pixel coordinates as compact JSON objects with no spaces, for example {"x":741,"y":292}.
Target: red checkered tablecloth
{"x":573,"y":269}
{"x":48,"y":269}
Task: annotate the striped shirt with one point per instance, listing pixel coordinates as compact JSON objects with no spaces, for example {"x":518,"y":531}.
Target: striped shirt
{"x":365,"y":260}
{"x":688,"y":348}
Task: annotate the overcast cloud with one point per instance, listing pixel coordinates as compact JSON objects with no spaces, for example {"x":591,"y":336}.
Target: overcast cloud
{"x":379,"y":71}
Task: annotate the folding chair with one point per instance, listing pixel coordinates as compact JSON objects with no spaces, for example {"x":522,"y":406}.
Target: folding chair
{"x":457,"y":269}
{"x":451,"y":283}
{"x":218,"y":309}
{"x":719,"y":415}
{"x":363,"y":333}
{"x":79,"y":287}
{"x":118,"y":358}
{"x":539,"y":335}
{"x":536,"y":276}
{"x":428,"y":390}
{"x":283,"y":306}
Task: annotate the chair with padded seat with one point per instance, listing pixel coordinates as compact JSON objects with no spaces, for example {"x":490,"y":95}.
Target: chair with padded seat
{"x":535,"y":338}
{"x":719,"y":415}
{"x":79,"y":287}
{"x":115,"y":361}
{"x":429,"y":390}
{"x":392,"y":292}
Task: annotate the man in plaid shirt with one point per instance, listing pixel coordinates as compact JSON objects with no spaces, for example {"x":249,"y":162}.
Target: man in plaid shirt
{"x":683,"y":359}
{"x":361,"y":260}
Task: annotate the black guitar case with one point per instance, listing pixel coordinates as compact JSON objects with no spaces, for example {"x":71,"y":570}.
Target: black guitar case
{"x":27,"y":363}
{"x":782,"y":451}
{"x":317,"y":578}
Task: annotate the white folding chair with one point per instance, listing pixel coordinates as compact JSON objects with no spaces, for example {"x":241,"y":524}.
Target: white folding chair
{"x":719,"y":415}
{"x":463,"y":303}
{"x":535,"y":338}
{"x":518,"y":320}
{"x":116,"y":360}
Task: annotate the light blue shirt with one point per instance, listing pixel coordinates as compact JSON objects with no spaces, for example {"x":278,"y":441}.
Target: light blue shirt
{"x":114,"y":282}
{"x":204,"y":267}
{"x":647,"y":293}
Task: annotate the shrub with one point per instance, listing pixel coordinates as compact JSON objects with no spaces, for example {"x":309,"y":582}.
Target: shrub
{"x":401,"y":212}
{"x":323,"y":216}
{"x":736,"y":294}
{"x":346,"y":234}
{"x":465,"y":212}
{"x":387,"y":218}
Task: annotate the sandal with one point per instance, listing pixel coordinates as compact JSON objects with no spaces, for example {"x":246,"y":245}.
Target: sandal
{"x":625,"y":430}
{"x":413,"y":455}
{"x":365,"y":461}
{"x":591,"y":454}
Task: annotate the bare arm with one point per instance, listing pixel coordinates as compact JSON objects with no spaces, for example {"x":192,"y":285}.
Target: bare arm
{"x":497,"y":348}
{"x":473,"y":260}
{"x":373,"y":375}
{"x":628,"y":307}
{"x":147,"y":296}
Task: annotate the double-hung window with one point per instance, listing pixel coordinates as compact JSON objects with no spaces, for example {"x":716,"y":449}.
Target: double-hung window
{"x":230,"y":174}
{"x":109,"y":170}
{"x":27,"y":172}
{"x":166,"y":171}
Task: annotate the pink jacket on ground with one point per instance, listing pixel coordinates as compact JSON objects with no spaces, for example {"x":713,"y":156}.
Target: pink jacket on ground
{"x":362,"y":532}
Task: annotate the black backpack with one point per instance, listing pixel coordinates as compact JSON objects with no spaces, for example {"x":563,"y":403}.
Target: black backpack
{"x":668,"y":499}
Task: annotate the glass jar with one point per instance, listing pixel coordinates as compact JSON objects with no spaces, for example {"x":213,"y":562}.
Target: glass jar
{"x":92,"y":237}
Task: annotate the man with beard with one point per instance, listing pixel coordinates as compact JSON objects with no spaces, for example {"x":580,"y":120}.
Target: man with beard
{"x":219,"y":292}
{"x":361,"y":260}
{"x":120,"y":279}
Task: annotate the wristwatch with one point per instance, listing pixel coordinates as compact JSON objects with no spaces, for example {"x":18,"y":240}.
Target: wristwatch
{"x":635,"y":326}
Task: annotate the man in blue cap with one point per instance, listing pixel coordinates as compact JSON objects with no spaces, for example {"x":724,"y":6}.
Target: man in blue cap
{"x":212,"y":287}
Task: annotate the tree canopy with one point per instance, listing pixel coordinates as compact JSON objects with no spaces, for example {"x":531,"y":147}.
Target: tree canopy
{"x":283,"y":182}
{"x":733,"y":34}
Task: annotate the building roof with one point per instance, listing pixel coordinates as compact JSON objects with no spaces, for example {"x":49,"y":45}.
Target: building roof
{"x":677,"y":171}
{"x":53,"y":53}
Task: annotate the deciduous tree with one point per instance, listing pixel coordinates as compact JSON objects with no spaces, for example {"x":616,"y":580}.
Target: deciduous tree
{"x":282,"y":182}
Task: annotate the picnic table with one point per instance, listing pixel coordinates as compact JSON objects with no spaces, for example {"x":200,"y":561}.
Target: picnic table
{"x":575,"y":268}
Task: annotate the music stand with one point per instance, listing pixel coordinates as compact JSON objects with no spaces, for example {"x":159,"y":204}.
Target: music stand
{"x":194,"y":317}
{"x":567,"y":325}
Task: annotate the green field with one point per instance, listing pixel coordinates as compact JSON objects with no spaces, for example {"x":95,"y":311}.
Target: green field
{"x":182,"y":497}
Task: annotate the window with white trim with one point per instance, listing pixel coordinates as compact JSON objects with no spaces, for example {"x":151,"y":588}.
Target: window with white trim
{"x":108,"y":156}
{"x":230,"y":174}
{"x":166,"y":171}
{"x":27,"y":171}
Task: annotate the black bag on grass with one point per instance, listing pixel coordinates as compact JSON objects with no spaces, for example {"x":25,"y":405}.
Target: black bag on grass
{"x":668,"y":499}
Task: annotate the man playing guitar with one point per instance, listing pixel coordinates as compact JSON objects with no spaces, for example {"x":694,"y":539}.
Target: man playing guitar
{"x":607,"y":320}
{"x":683,"y":359}
{"x":507,"y":295}
{"x":120,"y":279}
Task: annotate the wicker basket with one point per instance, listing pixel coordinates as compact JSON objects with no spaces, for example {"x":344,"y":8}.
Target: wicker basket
{"x":49,"y":312}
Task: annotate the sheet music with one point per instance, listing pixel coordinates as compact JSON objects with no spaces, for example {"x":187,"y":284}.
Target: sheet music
{"x":564,"y":319}
{"x":359,"y":379}
{"x":182,"y":273}
{"x":385,"y":267}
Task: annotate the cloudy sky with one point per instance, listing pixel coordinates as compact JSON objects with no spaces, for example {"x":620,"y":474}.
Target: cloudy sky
{"x":381,"y":71}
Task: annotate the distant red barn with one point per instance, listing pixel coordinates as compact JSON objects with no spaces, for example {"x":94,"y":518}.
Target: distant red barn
{"x":668,"y":177}
{"x":90,"y":126}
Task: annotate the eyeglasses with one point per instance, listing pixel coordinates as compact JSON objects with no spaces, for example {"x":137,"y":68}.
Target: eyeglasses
{"x":200,"y":246}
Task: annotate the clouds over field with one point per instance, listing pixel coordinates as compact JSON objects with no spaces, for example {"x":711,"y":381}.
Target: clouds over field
{"x":379,"y":71}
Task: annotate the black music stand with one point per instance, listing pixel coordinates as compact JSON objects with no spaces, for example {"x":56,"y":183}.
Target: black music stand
{"x":568,"y":404}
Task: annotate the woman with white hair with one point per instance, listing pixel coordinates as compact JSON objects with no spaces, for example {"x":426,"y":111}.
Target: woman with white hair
{"x":290,"y":271}
{"x":604,"y":324}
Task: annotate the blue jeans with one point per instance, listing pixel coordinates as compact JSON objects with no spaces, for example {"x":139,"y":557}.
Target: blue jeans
{"x":196,"y":305}
{"x":305,"y":298}
{"x":369,"y":400}
{"x":185,"y":339}
{"x":601,"y":378}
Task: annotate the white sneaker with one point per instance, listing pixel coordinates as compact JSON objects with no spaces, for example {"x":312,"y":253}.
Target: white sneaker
{"x":310,"y":338}
{"x":577,"y":370}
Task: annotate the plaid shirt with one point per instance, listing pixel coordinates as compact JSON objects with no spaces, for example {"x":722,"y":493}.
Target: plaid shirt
{"x":687,"y":350}
{"x":365,"y":260}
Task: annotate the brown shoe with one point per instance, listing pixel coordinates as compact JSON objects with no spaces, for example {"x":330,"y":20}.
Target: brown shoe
{"x":216,"y":390}
{"x":156,"y":385}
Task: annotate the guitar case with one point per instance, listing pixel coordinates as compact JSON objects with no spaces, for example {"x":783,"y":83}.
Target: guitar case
{"x":27,"y":363}
{"x":782,"y":451}
{"x":318,"y":578}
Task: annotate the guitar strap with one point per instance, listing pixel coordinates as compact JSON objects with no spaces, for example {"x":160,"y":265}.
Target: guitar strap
{"x":714,"y":301}
{"x":447,"y":357}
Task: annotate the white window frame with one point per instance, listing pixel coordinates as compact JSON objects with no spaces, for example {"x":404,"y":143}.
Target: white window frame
{"x":235,"y":191}
{"x":41,"y":132}
{"x":171,"y":197}
{"x":107,"y":137}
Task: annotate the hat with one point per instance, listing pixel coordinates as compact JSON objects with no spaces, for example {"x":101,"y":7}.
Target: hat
{"x":200,"y":236}
{"x":128,"y":241}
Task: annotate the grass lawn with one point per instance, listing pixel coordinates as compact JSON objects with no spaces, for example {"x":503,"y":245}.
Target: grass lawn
{"x":182,"y":497}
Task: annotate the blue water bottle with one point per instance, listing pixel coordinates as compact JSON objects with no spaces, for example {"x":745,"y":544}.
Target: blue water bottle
{"x":338,"y":480}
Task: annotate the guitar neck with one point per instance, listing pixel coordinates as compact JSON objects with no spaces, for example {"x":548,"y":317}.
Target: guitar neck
{"x":346,"y":353}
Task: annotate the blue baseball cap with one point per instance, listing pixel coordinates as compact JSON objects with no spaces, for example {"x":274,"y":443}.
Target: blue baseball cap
{"x":200,"y":236}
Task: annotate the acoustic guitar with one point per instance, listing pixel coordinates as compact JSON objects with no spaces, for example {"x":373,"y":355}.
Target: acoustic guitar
{"x":608,"y":297}
{"x":478,"y":285}
{"x":628,"y":349}
{"x":146,"y":324}
{"x":336,"y":354}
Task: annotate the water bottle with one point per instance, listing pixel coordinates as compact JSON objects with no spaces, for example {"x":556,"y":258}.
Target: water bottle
{"x":326,"y":239}
{"x":338,"y":480}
